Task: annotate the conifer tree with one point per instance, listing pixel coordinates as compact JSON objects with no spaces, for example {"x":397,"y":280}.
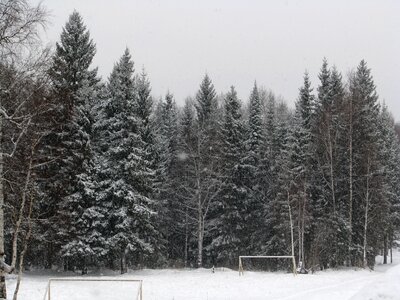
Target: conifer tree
{"x":206,"y":101}
{"x":301,"y":156}
{"x":187,"y":149}
{"x":207,"y":167}
{"x":231,"y":222}
{"x":364,"y":163}
{"x":278,"y":209}
{"x":167,"y":175}
{"x":144,"y":113}
{"x":252,"y":169}
{"x":327,"y":131}
{"x":388,"y":208}
{"x":69,"y":143}
{"x":125,"y":177}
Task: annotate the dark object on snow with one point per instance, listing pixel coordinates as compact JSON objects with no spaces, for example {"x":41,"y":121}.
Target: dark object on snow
{"x":301,"y":269}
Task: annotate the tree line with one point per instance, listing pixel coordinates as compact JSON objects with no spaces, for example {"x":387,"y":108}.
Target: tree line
{"x":98,"y":173}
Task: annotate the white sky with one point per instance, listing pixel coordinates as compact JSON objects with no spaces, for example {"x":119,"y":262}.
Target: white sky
{"x":237,"y":42}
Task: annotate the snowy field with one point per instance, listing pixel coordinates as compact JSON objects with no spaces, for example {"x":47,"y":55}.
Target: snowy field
{"x":383,"y":283}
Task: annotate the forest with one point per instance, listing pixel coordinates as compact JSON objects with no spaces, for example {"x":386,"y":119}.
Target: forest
{"x":99,"y":173}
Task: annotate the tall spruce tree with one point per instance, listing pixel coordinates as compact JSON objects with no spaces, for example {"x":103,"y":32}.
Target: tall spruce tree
{"x":187,"y":189}
{"x":231,"y":223}
{"x":364,"y":163}
{"x":327,"y":134}
{"x":125,"y":178}
{"x":252,"y":170}
{"x":388,"y":208}
{"x":144,"y":109}
{"x":207,"y":167}
{"x":167,"y":175}
{"x":69,"y":178}
{"x":301,"y":156}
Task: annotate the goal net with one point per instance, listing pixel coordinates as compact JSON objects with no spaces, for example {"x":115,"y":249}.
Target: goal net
{"x":290,"y":261}
{"x":93,"y":288}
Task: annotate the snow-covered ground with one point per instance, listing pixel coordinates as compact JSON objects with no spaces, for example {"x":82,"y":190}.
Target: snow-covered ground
{"x":224,"y":284}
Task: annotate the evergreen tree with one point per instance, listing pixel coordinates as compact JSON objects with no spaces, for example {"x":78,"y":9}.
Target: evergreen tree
{"x":328,"y":202}
{"x":231,"y":222}
{"x":188,"y":187}
{"x":144,"y":113}
{"x":167,"y":176}
{"x":301,"y":164}
{"x":252,"y":170}
{"x":207,"y":169}
{"x":279,"y":210}
{"x":206,"y":101}
{"x":364,"y":163}
{"x":388,"y":208}
{"x":125,"y":177}
{"x":68,"y":184}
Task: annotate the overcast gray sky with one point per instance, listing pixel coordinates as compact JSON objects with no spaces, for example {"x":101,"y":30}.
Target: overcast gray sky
{"x":237,"y":42}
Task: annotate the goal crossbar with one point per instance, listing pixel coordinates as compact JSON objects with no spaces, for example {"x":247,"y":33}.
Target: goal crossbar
{"x":241,"y":271}
{"x":47,"y":294}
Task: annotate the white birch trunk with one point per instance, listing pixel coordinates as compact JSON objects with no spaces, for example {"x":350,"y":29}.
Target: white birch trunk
{"x":365,"y":262}
{"x":22,"y":255}
{"x":350,"y":238}
{"x":199,"y":226}
{"x":3,"y":290}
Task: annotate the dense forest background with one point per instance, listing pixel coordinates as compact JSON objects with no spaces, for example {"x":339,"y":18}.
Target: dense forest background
{"x":98,"y":173}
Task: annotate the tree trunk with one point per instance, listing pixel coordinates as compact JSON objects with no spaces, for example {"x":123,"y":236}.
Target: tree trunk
{"x":199,"y":223}
{"x":350,"y":238}
{"x":333,"y":192}
{"x":123,"y":262}
{"x":3,"y":290}
{"x":385,"y":248}
{"x":21,"y":214}
{"x":186,"y":237}
{"x":200,"y":238}
{"x":365,"y":262}
{"x":299,"y":230}
{"x":291,"y":231}
{"x":22,"y":255}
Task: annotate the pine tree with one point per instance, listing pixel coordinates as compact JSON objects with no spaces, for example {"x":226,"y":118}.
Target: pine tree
{"x":279,"y":221}
{"x":364,"y":162}
{"x":125,"y":177}
{"x":171,"y":218}
{"x":388,"y":209}
{"x":206,"y":101}
{"x":80,"y":213}
{"x":301,"y":156}
{"x":68,"y":186}
{"x":252,"y":170}
{"x":231,"y":222}
{"x":206,"y":168}
{"x":327,"y":131}
{"x":187,"y":149}
{"x":144,"y":113}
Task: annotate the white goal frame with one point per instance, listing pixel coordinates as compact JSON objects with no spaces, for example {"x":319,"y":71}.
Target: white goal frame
{"x":139,"y":295}
{"x":241,"y":271}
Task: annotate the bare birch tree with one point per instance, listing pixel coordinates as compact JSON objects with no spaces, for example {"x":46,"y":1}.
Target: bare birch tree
{"x":19,"y":29}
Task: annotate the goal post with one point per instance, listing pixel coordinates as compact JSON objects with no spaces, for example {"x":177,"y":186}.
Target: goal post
{"x":241,"y":271}
{"x":49,"y":296}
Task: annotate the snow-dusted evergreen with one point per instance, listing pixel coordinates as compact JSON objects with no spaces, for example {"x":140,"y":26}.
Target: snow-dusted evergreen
{"x":69,"y":184}
{"x":125,"y":177}
{"x":103,"y":176}
{"x":252,"y":170}
{"x":231,"y":222}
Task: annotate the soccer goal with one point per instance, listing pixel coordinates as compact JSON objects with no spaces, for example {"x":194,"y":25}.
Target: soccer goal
{"x":93,"y":288}
{"x":291,"y":257}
